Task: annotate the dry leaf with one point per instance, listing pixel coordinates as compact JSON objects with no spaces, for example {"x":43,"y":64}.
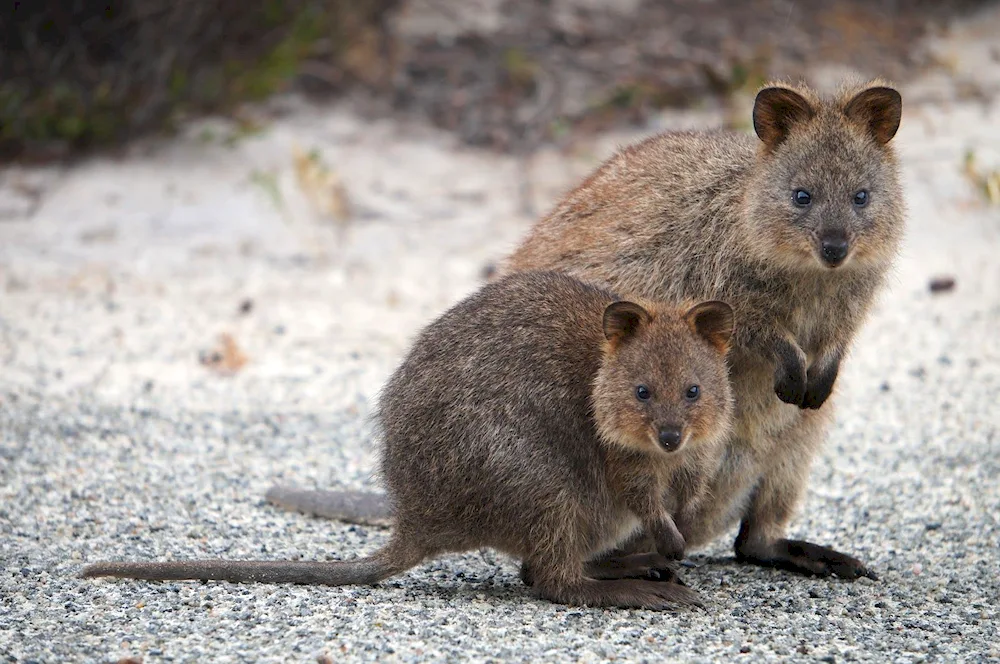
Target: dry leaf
{"x":226,"y":359}
{"x":941,"y":284}
{"x":321,"y":185}
{"x":993,"y":187}
{"x":988,"y":182}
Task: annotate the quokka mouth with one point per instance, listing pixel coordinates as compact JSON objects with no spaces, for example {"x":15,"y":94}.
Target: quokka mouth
{"x":833,"y":265}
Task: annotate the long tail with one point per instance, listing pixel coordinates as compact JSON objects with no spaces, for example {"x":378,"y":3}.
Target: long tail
{"x":383,"y":564}
{"x":370,"y":509}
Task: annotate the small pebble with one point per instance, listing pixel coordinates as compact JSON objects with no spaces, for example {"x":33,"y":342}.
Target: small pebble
{"x":942,"y":284}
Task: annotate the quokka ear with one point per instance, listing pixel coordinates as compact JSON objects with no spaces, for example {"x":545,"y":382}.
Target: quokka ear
{"x":713,"y":321}
{"x":776,"y":111}
{"x":622,"y":320}
{"x":879,"y":110}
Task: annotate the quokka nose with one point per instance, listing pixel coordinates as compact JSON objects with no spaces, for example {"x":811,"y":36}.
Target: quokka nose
{"x":670,"y":438}
{"x":834,"y":250}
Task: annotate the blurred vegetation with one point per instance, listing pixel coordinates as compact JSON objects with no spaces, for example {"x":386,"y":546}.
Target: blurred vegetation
{"x":76,"y":73}
{"x":507,"y":74}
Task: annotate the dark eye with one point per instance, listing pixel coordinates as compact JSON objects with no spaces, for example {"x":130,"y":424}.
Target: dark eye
{"x":861,"y":198}
{"x":642,"y":393}
{"x":693,"y":393}
{"x":802,"y":197}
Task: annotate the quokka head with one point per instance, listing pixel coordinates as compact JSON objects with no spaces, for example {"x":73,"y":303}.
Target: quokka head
{"x":825,"y":191}
{"x":663,"y":381}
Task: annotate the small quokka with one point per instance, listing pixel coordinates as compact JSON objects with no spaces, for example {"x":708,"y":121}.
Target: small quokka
{"x":797,"y":228}
{"x":545,"y":418}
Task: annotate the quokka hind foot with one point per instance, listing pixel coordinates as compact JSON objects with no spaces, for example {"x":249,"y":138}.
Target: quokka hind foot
{"x":643,"y":566}
{"x":622,"y":593}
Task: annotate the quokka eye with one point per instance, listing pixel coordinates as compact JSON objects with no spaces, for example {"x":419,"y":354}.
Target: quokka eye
{"x":692,"y":393}
{"x":802,"y":197}
{"x":861,"y":198}
{"x":642,"y":393}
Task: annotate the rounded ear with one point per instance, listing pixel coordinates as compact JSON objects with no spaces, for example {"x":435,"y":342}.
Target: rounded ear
{"x":622,"y":320}
{"x":776,"y":111}
{"x":713,"y":321}
{"x":879,"y":110}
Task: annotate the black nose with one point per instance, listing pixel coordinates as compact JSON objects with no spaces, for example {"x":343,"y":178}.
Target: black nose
{"x":670,"y":438}
{"x":834,"y":250}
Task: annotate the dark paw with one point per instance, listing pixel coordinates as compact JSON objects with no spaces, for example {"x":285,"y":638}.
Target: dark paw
{"x":791,"y":388}
{"x":808,"y":558}
{"x":819,"y":384}
{"x":814,"y":399}
{"x":789,"y":374}
{"x":642,"y":566}
{"x":663,"y":575}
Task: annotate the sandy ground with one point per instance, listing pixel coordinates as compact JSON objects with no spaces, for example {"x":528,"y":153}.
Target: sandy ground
{"x":117,"y":277}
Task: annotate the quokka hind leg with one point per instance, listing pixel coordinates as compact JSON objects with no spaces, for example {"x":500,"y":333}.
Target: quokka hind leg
{"x":647,"y":566}
{"x":555,"y":585}
{"x":395,"y":558}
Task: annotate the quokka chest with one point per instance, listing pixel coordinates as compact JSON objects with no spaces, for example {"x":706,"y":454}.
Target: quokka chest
{"x":726,"y":493}
{"x":818,"y":319}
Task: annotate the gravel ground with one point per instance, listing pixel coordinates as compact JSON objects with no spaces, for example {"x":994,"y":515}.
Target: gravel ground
{"x":117,"y":275}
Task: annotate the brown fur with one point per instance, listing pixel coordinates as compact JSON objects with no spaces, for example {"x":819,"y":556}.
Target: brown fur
{"x":710,"y":215}
{"x":514,"y":423}
{"x":702,"y":215}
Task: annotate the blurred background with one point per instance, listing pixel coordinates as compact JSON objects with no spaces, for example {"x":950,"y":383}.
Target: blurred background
{"x":286,"y":191}
{"x":499,"y":73}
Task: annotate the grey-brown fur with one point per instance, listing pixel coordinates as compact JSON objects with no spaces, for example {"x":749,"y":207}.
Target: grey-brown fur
{"x":350,"y":506}
{"x":514,"y":423}
{"x":710,"y":215}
